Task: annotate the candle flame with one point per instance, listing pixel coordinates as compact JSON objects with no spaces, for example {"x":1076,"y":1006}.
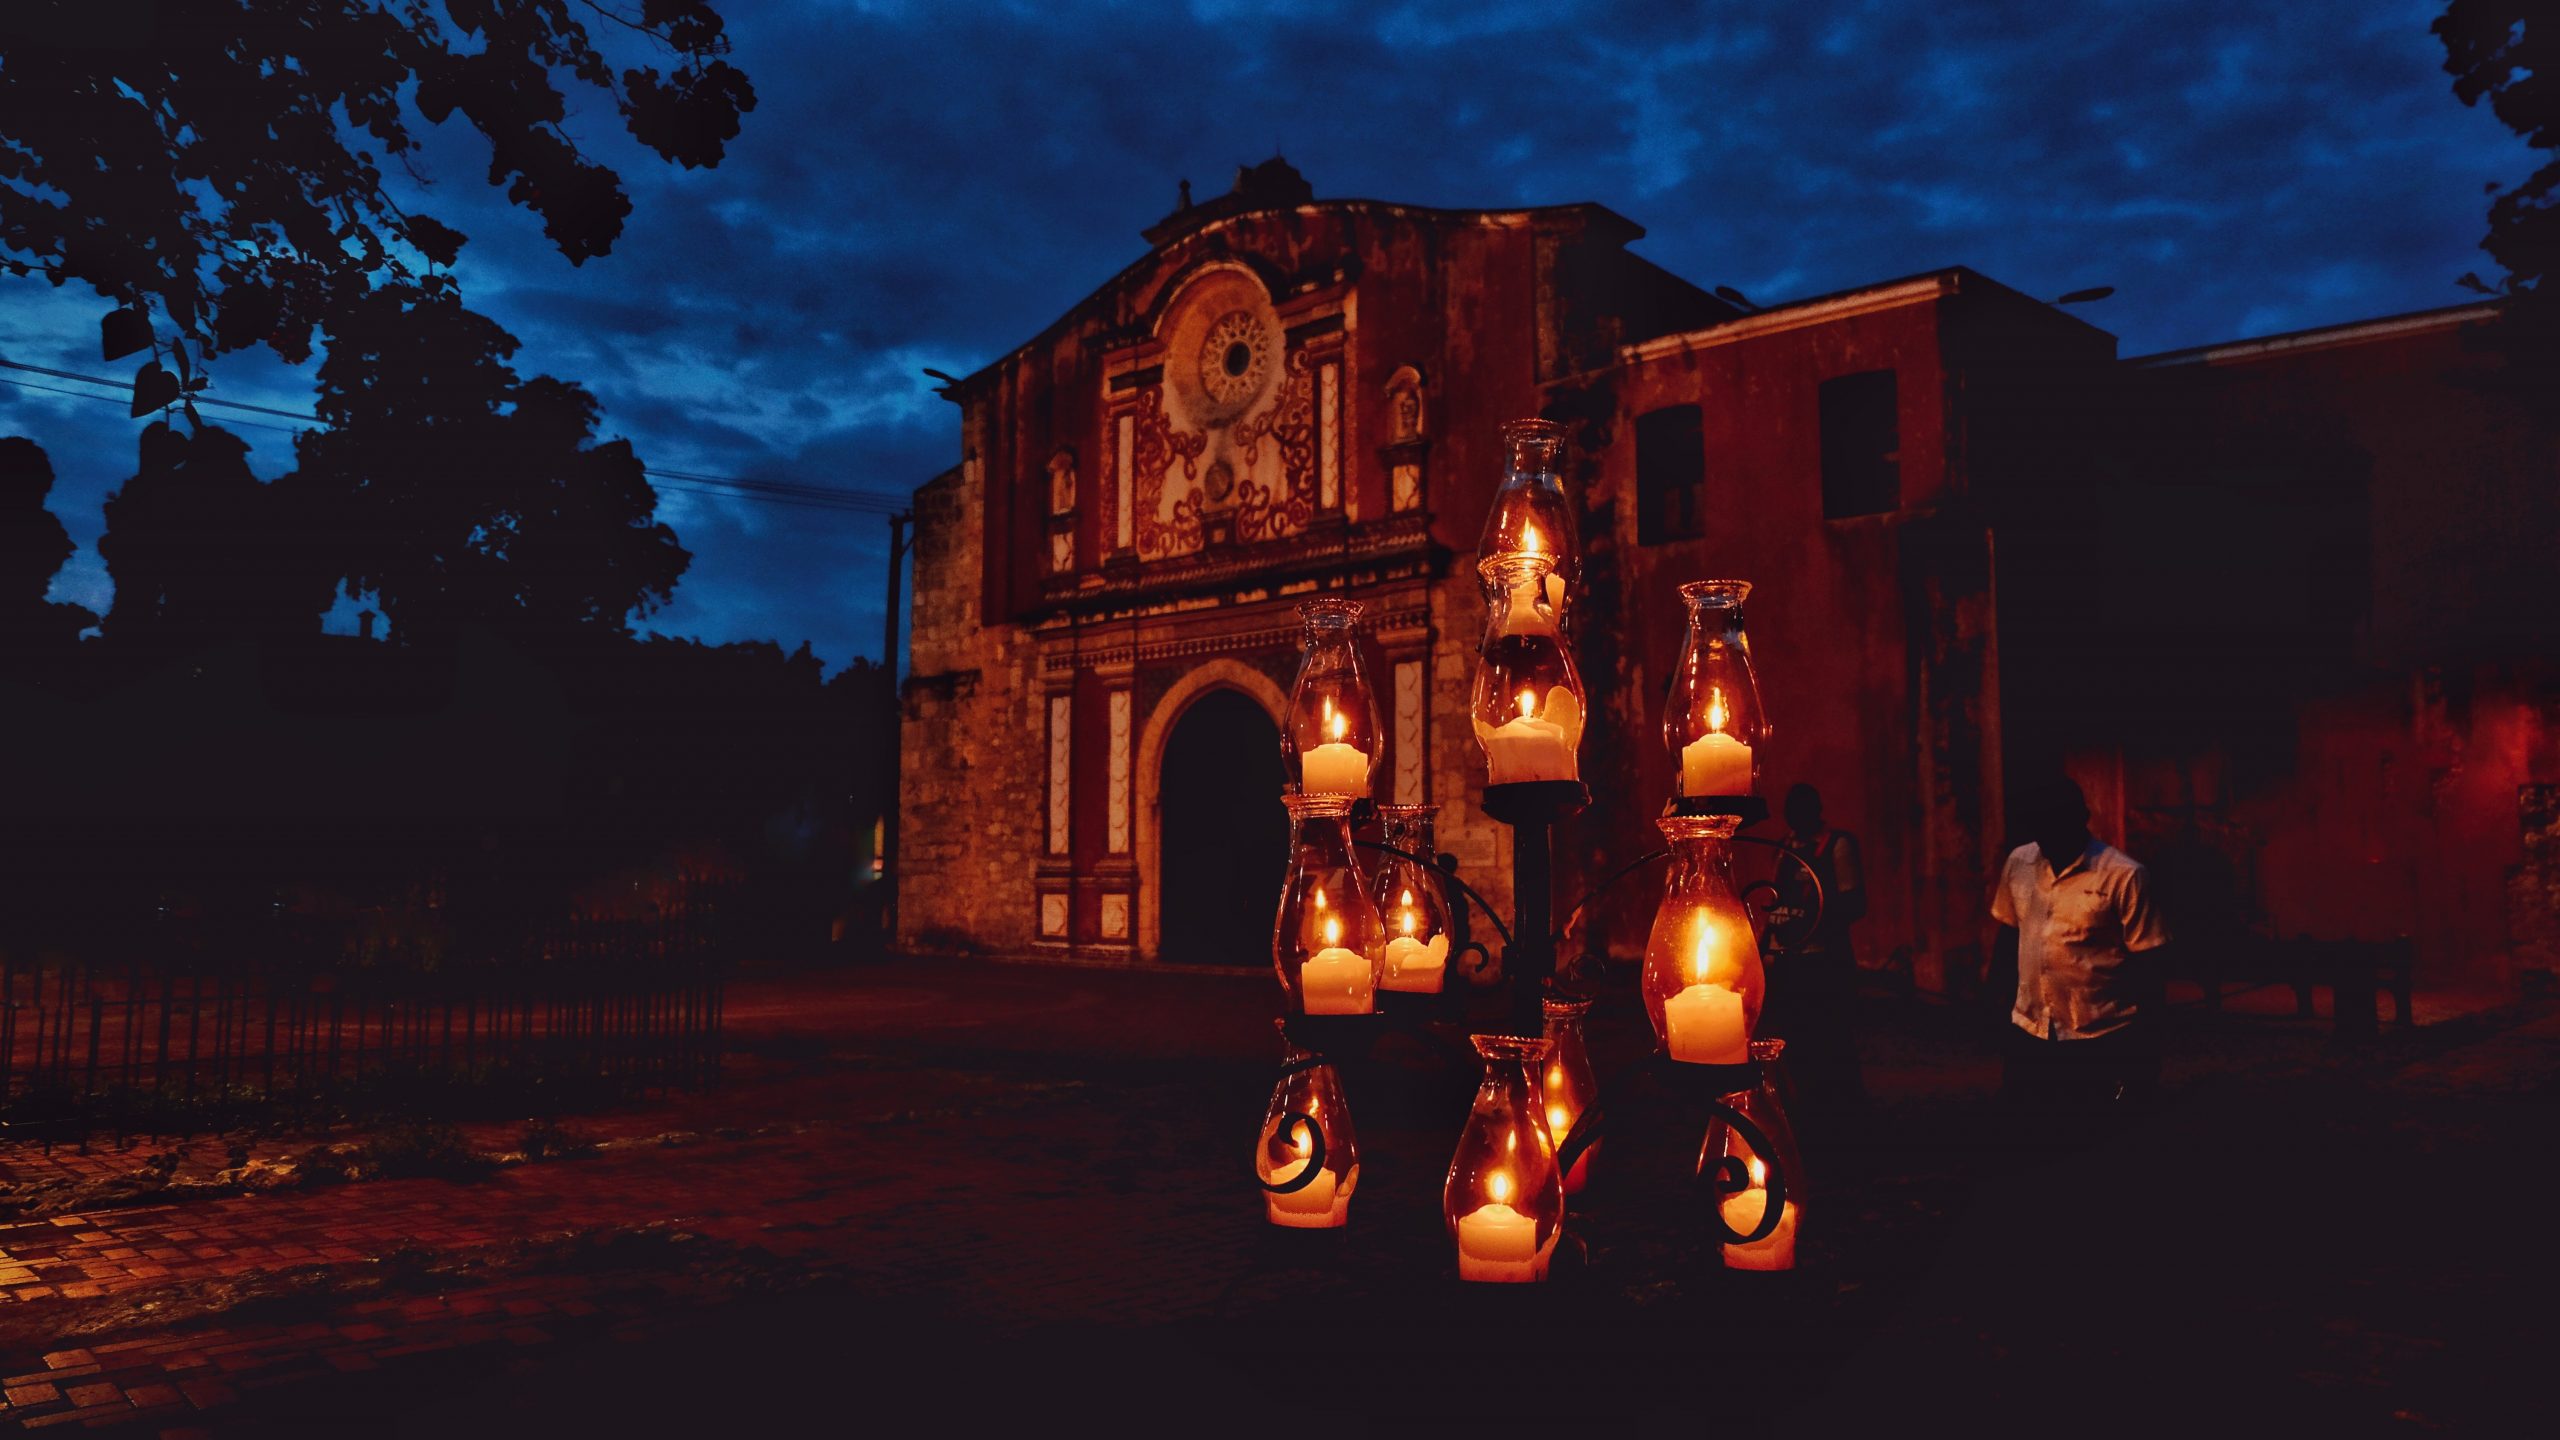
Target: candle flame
{"x":1498,"y":1185}
{"x":1698,"y":956}
{"x":1528,"y":703}
{"x":1529,"y":542}
{"x":1759,"y":1173}
{"x":1332,"y":931}
{"x":1320,"y":897}
{"x":1336,"y":724}
{"x":1558,"y":1120}
{"x":1715,"y":710}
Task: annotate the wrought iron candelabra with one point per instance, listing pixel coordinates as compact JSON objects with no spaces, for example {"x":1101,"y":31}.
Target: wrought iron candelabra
{"x":1347,"y":932}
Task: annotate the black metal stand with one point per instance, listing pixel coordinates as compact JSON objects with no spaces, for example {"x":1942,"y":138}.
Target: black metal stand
{"x":1531,"y":809}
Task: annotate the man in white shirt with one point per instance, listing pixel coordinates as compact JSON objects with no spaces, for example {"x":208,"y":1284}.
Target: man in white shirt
{"x":2077,"y":915}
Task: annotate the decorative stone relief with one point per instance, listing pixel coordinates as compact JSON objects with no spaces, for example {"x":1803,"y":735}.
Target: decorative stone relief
{"x":1115,"y":916}
{"x":1062,"y":552}
{"x":1124,"y":509}
{"x":1409,"y":784}
{"x":1405,"y":492}
{"x":1053,"y":916}
{"x":1058,"y":767}
{"x":1120,"y":774}
{"x":1329,"y":435}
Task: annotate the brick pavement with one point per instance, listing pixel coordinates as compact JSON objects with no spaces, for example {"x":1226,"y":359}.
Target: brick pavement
{"x":986,"y":1175}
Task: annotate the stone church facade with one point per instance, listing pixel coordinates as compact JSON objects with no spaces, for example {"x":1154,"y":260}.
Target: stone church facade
{"x":1287,"y":397}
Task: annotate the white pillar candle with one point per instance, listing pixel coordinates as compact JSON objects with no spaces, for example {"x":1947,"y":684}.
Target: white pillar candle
{"x":1416,"y":966}
{"x":1324,"y":1203}
{"x":1336,"y":981}
{"x":1774,"y":1251}
{"x":1334,"y":768}
{"x":1539,"y":745}
{"x":1704,"y":1024}
{"x":1523,"y":618}
{"x":1715,"y":764}
{"x":1500,"y":1244}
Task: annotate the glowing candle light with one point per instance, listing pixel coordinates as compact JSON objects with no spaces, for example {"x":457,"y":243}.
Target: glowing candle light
{"x":1335,"y":767}
{"x":1535,"y":746}
{"x":1336,"y":981}
{"x":1498,"y":1243}
{"x":1414,"y":965}
{"x":1742,"y":1211}
{"x":1715,"y":763}
{"x":1704,"y":1022}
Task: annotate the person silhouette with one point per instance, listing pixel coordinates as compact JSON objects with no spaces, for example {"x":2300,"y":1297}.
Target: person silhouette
{"x":1817,"y":993}
{"x":2077,"y":920}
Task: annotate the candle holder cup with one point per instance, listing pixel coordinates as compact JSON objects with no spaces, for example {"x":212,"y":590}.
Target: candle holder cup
{"x":1712,"y":720}
{"x":1412,"y":903}
{"x":1703,"y":982}
{"x":1332,"y":738}
{"x":1307,"y":1158}
{"x":1326,"y":940}
{"x":1570,"y":1091}
{"x":1530,"y":514}
{"x":1528,"y":702}
{"x":1504,"y":1198}
{"x":1754,"y":1178}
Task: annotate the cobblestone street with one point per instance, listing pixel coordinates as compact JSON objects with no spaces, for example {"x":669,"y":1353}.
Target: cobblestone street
{"x":971,"y":1191}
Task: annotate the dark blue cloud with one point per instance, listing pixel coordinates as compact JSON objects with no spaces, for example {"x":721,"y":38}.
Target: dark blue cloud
{"x":929,"y":183}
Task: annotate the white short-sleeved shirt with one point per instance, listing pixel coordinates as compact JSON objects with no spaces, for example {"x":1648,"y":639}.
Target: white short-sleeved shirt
{"x":2075,"y":931}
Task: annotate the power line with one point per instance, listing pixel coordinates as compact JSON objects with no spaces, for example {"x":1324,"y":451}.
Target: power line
{"x":769,"y":492}
{"x":92,"y":395}
{"x":120,"y":384}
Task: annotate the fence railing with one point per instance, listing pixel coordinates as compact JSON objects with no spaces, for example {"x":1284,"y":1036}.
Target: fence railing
{"x":196,"y":1030}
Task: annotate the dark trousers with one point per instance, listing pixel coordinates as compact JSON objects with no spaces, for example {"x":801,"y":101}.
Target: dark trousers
{"x":2115,"y":1071}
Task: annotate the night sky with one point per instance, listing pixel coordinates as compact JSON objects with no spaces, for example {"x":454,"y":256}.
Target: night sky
{"x":930,"y":183}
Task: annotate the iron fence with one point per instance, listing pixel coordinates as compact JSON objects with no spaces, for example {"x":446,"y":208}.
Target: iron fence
{"x":186,"y":1027}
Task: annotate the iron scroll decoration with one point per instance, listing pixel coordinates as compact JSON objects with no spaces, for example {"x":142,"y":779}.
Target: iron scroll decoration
{"x":1729,"y":1177}
{"x":1294,"y":1119}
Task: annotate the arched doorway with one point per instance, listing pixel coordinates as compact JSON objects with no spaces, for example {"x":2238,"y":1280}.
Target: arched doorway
{"x":1225,"y":838}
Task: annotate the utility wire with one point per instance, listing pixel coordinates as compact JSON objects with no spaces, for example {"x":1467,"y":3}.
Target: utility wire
{"x":770,"y":492}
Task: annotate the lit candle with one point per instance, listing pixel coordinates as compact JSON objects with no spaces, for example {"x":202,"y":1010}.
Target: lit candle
{"x":1742,"y":1211}
{"x":1704,"y":1022}
{"x":1336,"y":981}
{"x":1412,"y":964}
{"x":1715,"y":763}
{"x":1535,"y":746}
{"x":1335,"y":767}
{"x":1498,"y":1243}
{"x":1324,"y":1203}
{"x":1417,"y":966}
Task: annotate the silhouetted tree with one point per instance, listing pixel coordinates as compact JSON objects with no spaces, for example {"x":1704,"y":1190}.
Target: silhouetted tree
{"x":2508,"y":52}
{"x":33,"y":546}
{"x":457,"y":492}
{"x":221,"y":162}
{"x":196,"y":543}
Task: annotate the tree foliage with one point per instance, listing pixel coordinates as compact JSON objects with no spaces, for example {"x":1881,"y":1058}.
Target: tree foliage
{"x":33,"y":546}
{"x":459,"y":493}
{"x":223,"y":161}
{"x":197,"y":544}
{"x":2507,"y":52}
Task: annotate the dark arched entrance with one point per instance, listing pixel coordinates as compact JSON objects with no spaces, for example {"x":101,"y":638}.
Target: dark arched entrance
{"x":1225,"y":838}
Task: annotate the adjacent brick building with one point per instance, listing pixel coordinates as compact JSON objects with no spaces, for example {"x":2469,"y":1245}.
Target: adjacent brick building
{"x":1927,"y":480}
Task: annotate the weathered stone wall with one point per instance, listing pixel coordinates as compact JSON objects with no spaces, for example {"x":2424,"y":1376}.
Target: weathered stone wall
{"x":970,"y":807}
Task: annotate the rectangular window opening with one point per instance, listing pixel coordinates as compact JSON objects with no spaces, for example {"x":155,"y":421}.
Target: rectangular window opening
{"x":1671,"y":475}
{"x":1861,"y":445}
